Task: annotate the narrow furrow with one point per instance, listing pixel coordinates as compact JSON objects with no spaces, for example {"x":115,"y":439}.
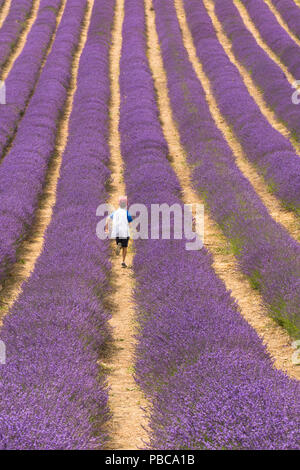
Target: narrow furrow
{"x":224,"y":263}
{"x":20,"y":41}
{"x":282,"y":23}
{"x":252,"y":88}
{"x":256,"y":34}
{"x":31,"y":248}
{"x":128,"y":422}
{"x":4,"y":11}
{"x":29,"y":65}
{"x":279,"y":214}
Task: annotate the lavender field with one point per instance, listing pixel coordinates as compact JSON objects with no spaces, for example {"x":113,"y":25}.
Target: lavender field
{"x":171,"y":103}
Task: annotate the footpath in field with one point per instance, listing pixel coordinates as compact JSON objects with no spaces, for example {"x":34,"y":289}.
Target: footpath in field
{"x":128,"y":421}
{"x":31,"y":248}
{"x":19,"y":42}
{"x":4,"y":11}
{"x":250,"y":303}
{"x":281,"y":215}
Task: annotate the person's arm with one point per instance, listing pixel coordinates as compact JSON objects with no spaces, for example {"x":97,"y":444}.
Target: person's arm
{"x":107,"y":220}
{"x":106,"y":225}
{"x":129,"y":218}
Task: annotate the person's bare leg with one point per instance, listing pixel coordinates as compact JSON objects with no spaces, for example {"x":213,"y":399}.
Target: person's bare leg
{"x":124,"y":253}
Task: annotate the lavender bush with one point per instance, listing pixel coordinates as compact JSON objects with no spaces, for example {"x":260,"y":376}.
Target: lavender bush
{"x":272,"y":154}
{"x":52,"y":395}
{"x":206,"y":373}
{"x":22,"y":173}
{"x":264,"y":250}
{"x":13,"y":26}
{"x":22,"y":78}
{"x":276,"y":90}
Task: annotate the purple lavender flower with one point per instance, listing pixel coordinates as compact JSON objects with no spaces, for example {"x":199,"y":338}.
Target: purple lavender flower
{"x":22,"y":173}
{"x":52,"y":393}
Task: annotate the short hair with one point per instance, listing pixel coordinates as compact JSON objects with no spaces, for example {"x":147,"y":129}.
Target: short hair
{"x":123,"y":202}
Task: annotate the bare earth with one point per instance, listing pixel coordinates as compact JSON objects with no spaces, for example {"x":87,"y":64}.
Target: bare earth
{"x":4,"y":11}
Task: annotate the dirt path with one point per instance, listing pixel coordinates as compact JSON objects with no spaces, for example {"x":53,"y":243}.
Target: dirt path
{"x":32,"y":247}
{"x":282,"y":216}
{"x":4,"y":11}
{"x":282,"y":23}
{"x":126,"y":427}
{"x":21,"y":40}
{"x":250,"y":303}
{"x":253,"y":90}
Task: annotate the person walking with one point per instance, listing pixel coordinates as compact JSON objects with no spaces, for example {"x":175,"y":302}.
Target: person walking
{"x":120,"y":228}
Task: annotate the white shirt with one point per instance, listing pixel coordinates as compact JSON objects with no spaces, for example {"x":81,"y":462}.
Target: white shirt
{"x":120,"y":225}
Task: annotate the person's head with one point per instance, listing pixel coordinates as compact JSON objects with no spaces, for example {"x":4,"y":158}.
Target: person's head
{"x":123,"y":202}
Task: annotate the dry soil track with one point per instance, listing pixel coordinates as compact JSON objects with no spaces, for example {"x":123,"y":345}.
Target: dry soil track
{"x":4,"y":11}
{"x":128,"y":423}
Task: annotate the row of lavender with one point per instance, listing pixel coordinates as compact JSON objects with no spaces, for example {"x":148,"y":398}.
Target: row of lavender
{"x":23,"y":77}
{"x":22,"y":172}
{"x":204,"y":369}
{"x":276,"y":90}
{"x":13,"y":26}
{"x":290,"y":13}
{"x":52,"y":394}
{"x":264,"y":250}
{"x":272,"y":154}
{"x":274,"y":35}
